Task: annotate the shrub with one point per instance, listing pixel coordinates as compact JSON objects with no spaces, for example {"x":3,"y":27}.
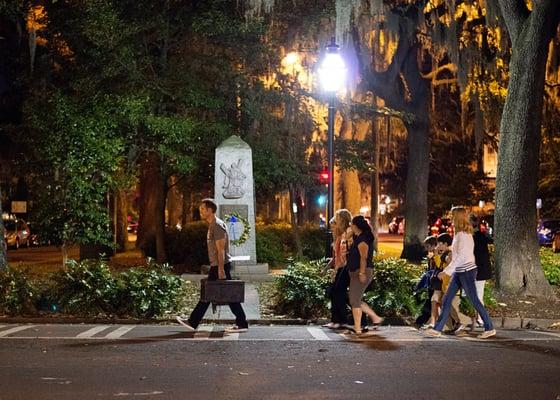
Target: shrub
{"x":551,"y":266}
{"x":17,"y":293}
{"x":300,"y":292}
{"x":269,"y":248}
{"x":147,"y":292}
{"x":391,"y":290}
{"x":86,"y":288}
{"x":276,"y":244}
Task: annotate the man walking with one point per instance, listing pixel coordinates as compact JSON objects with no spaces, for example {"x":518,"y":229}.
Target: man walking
{"x":220,"y":268}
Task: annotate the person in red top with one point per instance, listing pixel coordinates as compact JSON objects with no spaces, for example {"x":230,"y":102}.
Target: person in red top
{"x":339,"y":289}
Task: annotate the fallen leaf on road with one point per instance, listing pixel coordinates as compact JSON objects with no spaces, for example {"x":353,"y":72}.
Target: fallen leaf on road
{"x":243,"y":373}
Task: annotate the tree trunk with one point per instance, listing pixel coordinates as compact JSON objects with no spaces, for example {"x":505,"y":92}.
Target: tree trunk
{"x":374,"y":203}
{"x":121,"y":220}
{"x":64,"y":252}
{"x":3,"y":247}
{"x":151,"y":224}
{"x":518,"y":265}
{"x":418,"y":169}
{"x":416,"y":195}
{"x":295,"y":228}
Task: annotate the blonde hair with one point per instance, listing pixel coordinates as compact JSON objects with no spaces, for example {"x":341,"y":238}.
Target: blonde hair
{"x":460,"y":218}
{"x":343,"y":219}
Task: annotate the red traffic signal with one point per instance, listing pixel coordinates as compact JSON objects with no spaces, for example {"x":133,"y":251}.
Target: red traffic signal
{"x":324,"y":176}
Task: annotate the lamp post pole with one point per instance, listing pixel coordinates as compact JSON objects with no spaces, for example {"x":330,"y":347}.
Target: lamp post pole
{"x":330,"y":198}
{"x":332,"y":74}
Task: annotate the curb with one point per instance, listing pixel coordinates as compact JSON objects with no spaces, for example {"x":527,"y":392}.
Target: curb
{"x":499,"y":322}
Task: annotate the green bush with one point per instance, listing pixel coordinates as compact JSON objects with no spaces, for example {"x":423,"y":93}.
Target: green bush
{"x":86,"y":288}
{"x":90,"y":288}
{"x":17,"y":293}
{"x":300,"y":292}
{"x":391,"y":290}
{"x":551,"y":265}
{"x":146,"y":292}
{"x":276,"y":244}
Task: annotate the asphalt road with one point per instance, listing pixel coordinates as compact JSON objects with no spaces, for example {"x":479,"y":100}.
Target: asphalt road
{"x":292,"y":362}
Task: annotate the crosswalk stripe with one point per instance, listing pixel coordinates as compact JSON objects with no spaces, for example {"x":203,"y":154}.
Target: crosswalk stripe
{"x":203,"y":334}
{"x":231,"y":336}
{"x":93,"y":331}
{"x":117,"y":333}
{"x":14,"y":330}
{"x":318,"y":334}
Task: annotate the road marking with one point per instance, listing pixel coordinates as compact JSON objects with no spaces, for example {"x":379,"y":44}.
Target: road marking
{"x":553,"y":334}
{"x":117,"y":333}
{"x":93,"y":331}
{"x":318,"y":334}
{"x":203,"y":334}
{"x":231,"y":336}
{"x":14,"y":330}
{"x":241,"y":339}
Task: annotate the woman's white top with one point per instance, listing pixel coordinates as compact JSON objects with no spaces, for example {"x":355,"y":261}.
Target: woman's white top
{"x":462,"y":251}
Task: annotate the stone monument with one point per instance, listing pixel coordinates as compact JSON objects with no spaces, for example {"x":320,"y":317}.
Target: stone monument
{"x":235,"y":195}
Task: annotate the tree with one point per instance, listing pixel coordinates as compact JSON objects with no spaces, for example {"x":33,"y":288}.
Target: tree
{"x":3,"y":247}
{"x":517,"y":252}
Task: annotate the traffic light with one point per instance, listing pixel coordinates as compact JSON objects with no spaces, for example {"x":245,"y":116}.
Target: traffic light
{"x":324,"y":177}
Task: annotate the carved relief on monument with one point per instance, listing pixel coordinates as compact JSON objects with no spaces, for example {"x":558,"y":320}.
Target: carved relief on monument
{"x":233,"y":180}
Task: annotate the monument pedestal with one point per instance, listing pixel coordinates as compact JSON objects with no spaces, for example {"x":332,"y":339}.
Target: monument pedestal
{"x":234,"y":194}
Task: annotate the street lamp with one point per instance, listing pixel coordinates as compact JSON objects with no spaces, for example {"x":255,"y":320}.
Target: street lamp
{"x":332,"y":74}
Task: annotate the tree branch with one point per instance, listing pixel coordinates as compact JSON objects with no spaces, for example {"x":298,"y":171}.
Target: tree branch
{"x":434,"y":73}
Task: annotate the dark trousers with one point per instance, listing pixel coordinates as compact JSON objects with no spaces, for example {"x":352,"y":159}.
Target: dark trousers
{"x":339,"y":292}
{"x":202,"y":306}
{"x":339,"y":299}
{"x":426,"y":312}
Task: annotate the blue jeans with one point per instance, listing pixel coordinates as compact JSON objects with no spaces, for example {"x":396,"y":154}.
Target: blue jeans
{"x":466,"y":281}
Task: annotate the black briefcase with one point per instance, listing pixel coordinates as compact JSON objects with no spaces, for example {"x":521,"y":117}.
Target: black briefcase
{"x":222,"y":291}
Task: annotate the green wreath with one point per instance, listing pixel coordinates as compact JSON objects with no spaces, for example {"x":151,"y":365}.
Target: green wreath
{"x":232,"y":219}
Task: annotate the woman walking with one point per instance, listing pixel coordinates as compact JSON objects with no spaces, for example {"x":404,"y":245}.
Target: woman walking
{"x":339,"y":289}
{"x":482,"y":259}
{"x":360,"y":266}
{"x":462,"y":270}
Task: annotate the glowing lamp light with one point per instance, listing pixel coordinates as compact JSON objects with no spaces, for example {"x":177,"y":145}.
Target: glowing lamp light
{"x":332,"y":72}
{"x":291,"y":58}
{"x":322,"y":200}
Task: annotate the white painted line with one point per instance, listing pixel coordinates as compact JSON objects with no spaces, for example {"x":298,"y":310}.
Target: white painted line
{"x":318,"y":334}
{"x":241,"y":339}
{"x":203,"y":334}
{"x":117,"y":333}
{"x":553,"y":334}
{"x":93,"y":331}
{"x":231,"y":336}
{"x":14,"y":330}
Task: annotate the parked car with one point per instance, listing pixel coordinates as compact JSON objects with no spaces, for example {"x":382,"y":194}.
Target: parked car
{"x":394,"y":225}
{"x":16,"y":233}
{"x":547,"y":230}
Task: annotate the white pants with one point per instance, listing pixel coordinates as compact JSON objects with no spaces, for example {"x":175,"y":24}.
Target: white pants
{"x":480,"y":290}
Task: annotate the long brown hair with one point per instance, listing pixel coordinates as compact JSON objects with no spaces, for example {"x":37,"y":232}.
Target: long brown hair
{"x":461,"y":222}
